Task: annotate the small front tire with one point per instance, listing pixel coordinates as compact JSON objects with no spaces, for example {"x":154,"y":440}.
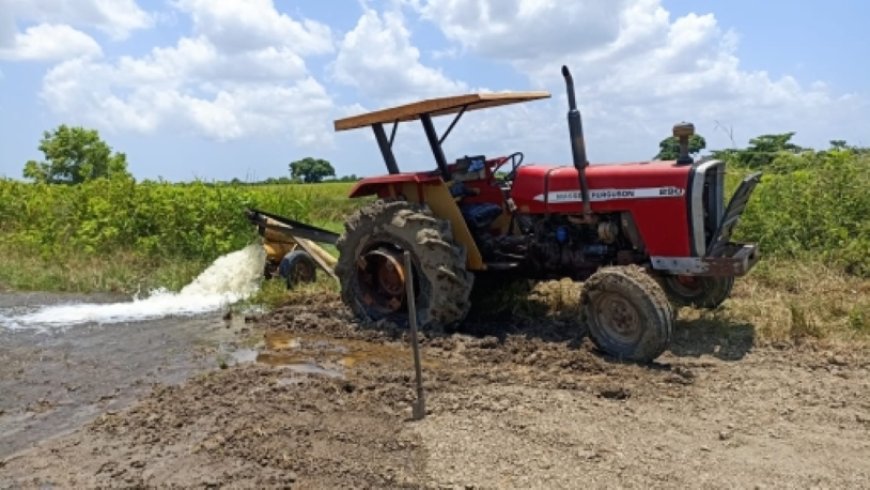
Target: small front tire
{"x":627,"y":313}
{"x":698,"y":291}
{"x":297,"y":267}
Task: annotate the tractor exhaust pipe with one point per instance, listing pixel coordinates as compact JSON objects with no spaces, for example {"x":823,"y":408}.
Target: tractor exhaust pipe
{"x":578,"y":146}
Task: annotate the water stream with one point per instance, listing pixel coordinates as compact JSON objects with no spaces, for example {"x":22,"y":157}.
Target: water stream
{"x":232,"y":277}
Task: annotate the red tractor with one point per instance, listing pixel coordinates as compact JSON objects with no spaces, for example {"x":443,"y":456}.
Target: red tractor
{"x":639,"y":234}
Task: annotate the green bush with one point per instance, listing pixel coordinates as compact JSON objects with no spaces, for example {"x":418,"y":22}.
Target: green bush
{"x":812,"y":205}
{"x":153,"y":219}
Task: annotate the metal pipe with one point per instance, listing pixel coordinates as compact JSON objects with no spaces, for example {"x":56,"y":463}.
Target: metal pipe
{"x":386,"y":150}
{"x":453,"y":123}
{"x":437,"y":151}
{"x":419,"y":409}
{"x":393,"y":132}
{"x":578,"y":145}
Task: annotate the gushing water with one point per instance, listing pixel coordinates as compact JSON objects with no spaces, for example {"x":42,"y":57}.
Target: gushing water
{"x":232,"y":277}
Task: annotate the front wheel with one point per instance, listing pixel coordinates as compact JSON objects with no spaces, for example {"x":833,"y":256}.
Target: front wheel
{"x":698,"y":291}
{"x":627,"y":313}
{"x":297,"y":267}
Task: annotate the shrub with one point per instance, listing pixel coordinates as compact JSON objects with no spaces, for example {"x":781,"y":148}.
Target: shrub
{"x":812,"y":205}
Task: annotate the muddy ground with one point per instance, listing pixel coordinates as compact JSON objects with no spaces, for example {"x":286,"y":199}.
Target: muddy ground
{"x":54,"y":380}
{"x":326,"y":403}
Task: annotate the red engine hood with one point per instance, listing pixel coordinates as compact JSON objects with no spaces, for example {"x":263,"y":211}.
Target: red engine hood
{"x":612,"y":187}
{"x":654,"y":193}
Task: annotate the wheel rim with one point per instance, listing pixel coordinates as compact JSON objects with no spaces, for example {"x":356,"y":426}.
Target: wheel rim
{"x":381,"y":279}
{"x":618,"y":318}
{"x":686,"y":286}
{"x":303,"y":271}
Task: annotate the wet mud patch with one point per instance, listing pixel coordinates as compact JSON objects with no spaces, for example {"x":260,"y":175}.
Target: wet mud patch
{"x":549,"y":352}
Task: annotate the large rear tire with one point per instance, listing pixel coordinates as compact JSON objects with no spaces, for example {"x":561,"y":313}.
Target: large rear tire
{"x":627,"y":313}
{"x":697,"y":291}
{"x":371,"y":271}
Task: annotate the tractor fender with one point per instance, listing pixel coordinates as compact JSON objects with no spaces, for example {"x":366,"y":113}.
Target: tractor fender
{"x":384,"y":186}
{"x":428,"y":189}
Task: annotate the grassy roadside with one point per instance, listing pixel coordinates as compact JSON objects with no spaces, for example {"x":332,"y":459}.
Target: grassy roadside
{"x":789,"y":300}
{"x":118,"y":272}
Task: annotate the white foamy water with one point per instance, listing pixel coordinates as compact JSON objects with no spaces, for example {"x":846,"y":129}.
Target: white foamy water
{"x":232,"y":277}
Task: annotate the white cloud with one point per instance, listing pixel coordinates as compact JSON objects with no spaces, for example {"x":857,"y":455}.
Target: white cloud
{"x":244,"y":25}
{"x":526,"y":29}
{"x":377,"y":57}
{"x":205,"y":85}
{"x":48,"y":42}
{"x":7,"y":27}
{"x":637,"y":69}
{"x":106,"y":96}
{"x":117,"y":18}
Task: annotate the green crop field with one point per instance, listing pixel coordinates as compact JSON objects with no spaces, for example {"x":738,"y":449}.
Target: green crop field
{"x":120,"y":235}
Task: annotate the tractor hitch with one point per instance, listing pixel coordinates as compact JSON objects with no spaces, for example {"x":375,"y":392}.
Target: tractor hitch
{"x":283,"y":236}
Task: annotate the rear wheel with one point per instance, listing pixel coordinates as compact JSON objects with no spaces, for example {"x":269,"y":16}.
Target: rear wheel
{"x":627,"y":313}
{"x":371,"y":265}
{"x":698,"y":291}
{"x":297,"y":267}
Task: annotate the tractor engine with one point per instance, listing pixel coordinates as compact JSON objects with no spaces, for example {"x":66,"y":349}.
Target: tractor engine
{"x":552,"y":245}
{"x":560,"y":244}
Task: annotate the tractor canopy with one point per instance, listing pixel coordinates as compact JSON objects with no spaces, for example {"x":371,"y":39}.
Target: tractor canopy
{"x":425,"y":110}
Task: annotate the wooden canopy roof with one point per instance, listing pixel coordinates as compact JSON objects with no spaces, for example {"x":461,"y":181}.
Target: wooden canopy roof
{"x":437,"y":107}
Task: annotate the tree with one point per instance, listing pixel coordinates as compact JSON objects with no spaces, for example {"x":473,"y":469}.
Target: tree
{"x":311,"y":170}
{"x":74,"y":155}
{"x":762,"y":150}
{"x":669,"y":148}
{"x":839,"y":145}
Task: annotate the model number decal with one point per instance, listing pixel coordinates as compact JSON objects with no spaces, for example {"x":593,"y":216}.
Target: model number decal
{"x":596,"y":195}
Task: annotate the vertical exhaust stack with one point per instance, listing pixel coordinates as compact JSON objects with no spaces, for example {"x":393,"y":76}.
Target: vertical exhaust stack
{"x":578,"y":145}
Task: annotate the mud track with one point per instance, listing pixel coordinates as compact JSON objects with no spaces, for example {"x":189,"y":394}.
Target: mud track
{"x":328,"y":403}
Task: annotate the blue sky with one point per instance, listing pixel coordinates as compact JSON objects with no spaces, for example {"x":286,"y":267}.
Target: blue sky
{"x":216,"y":89}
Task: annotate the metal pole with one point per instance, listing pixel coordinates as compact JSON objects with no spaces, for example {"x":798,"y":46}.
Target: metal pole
{"x":419,"y":409}
{"x":386,"y":148}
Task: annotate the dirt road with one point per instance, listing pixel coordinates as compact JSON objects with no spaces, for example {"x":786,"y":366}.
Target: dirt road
{"x":327,"y":403}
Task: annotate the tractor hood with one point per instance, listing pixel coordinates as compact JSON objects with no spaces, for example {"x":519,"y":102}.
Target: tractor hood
{"x":550,"y":188}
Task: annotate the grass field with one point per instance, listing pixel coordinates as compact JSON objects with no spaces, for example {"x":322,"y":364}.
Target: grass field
{"x":126,"y":237}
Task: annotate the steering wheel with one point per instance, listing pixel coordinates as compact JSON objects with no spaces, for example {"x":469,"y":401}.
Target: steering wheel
{"x":516,"y":159}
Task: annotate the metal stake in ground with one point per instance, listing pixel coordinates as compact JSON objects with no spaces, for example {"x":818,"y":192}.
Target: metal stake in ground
{"x":419,"y":410}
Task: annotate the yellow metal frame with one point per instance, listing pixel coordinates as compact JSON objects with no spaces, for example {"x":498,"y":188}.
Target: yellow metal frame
{"x":278,"y":241}
{"x":437,"y":196}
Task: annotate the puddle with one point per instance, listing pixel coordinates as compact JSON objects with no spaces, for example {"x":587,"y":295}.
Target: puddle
{"x":243,"y":356}
{"x":295,"y":362}
{"x":281,"y":341}
{"x":278,"y":359}
{"x":277,"y":341}
{"x":308,"y":368}
{"x":317,"y":355}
